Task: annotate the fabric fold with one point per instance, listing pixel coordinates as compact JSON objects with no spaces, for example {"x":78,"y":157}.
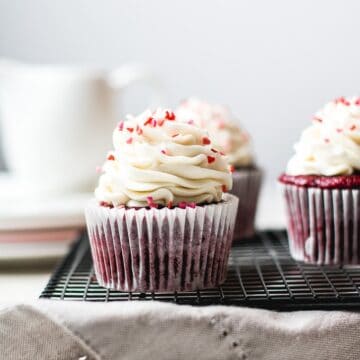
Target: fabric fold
{"x":28,"y":334}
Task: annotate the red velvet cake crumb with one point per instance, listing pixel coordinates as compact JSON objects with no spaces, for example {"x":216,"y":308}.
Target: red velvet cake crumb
{"x":210,"y":159}
{"x":322,"y":182}
{"x":206,"y":141}
{"x":148,"y":121}
{"x":169,"y":115}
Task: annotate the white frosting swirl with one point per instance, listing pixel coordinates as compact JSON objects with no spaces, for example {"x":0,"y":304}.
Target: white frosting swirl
{"x":331,"y":145}
{"x":159,"y":160}
{"x":222,"y":128}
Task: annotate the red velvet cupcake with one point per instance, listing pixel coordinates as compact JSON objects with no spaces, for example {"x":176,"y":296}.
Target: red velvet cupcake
{"x":321,"y":187}
{"x":161,"y":220}
{"x":231,"y":139}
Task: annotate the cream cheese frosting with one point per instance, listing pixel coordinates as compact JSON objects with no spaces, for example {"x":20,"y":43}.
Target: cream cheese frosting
{"x":331,"y":144}
{"x":222,"y":128}
{"x":158,"y":160}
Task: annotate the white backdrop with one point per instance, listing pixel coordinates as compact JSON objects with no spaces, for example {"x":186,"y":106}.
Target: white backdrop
{"x":274,"y":62}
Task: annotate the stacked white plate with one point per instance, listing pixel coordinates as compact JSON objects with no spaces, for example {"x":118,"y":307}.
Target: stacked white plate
{"x":34,"y":228}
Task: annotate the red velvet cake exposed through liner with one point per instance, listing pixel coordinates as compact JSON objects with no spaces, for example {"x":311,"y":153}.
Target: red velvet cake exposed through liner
{"x":161,"y":249}
{"x":246,"y":186}
{"x":323,"y":221}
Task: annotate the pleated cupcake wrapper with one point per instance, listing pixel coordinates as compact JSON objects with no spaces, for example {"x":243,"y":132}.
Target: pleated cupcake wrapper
{"x":323,"y":224}
{"x":161,"y":249}
{"x":246,"y":186}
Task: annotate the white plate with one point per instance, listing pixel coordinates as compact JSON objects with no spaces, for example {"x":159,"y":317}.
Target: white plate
{"x":19,"y":211}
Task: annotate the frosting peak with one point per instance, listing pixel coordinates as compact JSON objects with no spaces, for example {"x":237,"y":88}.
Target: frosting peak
{"x":159,"y":160}
{"x":222,"y":128}
{"x":331,"y":145}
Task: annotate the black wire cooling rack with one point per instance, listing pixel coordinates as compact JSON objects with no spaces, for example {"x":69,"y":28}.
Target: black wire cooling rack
{"x":261,"y":274}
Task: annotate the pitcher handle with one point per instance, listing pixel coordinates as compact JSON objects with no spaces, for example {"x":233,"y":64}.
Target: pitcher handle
{"x":129,"y":74}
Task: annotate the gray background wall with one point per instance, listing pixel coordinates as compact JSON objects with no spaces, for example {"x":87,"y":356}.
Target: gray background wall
{"x":274,"y":62}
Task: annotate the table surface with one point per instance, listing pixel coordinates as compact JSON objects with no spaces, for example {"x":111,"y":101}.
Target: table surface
{"x":24,"y":281}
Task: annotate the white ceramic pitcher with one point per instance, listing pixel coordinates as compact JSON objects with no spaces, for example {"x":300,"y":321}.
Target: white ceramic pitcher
{"x":57,"y":122}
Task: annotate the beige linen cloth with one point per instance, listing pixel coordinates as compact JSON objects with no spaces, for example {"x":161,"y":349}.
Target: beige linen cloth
{"x":48,"y":329}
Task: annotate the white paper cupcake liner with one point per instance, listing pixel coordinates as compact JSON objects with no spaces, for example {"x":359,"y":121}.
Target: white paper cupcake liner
{"x":246,"y":186}
{"x":323,"y":224}
{"x":161,"y":249}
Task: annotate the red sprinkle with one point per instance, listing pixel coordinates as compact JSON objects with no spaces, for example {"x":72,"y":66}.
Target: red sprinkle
{"x":111,"y":157}
{"x":129,"y":140}
{"x":342,"y":100}
{"x":139,"y":130}
{"x":192,"y":205}
{"x":214,"y":150}
{"x":148,"y":121}
{"x":121,"y":126}
{"x":339,"y":99}
{"x":231,"y":168}
{"x":106,"y":204}
{"x":353,"y":127}
{"x":161,"y":122}
{"x":357,"y":102}
{"x":169,"y":115}
{"x":163,"y":151}
{"x":316,"y":118}
{"x":130,"y":129}
{"x":182,"y":205}
{"x":223,"y":188}
{"x":206,"y":140}
{"x":151,"y":202}
{"x":222,"y":153}
{"x":210,"y":159}
{"x":170,"y":204}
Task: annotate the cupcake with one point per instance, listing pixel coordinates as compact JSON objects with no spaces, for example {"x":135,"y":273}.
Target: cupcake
{"x":321,"y":187}
{"x":161,"y":219}
{"x":232,"y":140}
